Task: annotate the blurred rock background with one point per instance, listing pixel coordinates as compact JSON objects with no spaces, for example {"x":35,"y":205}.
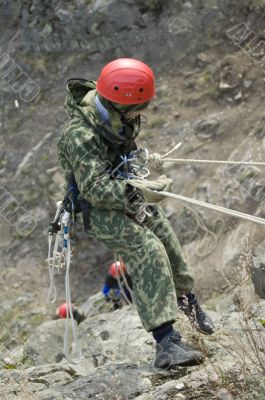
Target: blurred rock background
{"x":210,"y":93}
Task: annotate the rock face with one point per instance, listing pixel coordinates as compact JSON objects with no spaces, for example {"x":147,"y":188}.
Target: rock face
{"x":117,"y":359}
{"x":209,"y":98}
{"x":37,"y":346}
{"x":110,"y":28}
{"x":258,"y":270}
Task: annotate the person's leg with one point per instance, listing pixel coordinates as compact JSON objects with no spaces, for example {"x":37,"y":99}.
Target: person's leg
{"x":147,"y":261}
{"x":183,"y":280}
{"x":153,"y":285}
{"x":161,"y":227}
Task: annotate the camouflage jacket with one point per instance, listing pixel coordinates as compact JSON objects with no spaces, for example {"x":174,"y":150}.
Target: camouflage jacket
{"x":88,"y":147}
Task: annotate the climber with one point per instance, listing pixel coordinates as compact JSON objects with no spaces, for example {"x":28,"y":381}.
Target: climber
{"x":104,"y":119}
{"x":78,"y":314}
{"x":118,"y":285}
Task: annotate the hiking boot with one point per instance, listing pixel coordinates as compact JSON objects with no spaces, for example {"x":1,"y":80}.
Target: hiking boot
{"x":198,"y":318}
{"x":172,"y":352}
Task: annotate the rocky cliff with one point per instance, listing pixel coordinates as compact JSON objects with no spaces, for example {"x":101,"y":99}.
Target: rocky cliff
{"x":208,"y":57}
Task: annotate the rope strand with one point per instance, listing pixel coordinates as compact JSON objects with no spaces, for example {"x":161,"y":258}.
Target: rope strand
{"x":213,"y":207}
{"x":161,"y":159}
{"x":194,"y":161}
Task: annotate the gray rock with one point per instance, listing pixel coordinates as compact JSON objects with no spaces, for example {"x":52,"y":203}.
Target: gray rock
{"x":49,"y":395}
{"x":258,"y":269}
{"x":104,"y":339}
{"x":45,"y":343}
{"x":114,"y":381}
{"x":224,"y":394}
{"x":258,"y":276}
{"x":169,"y":388}
{"x":208,"y":128}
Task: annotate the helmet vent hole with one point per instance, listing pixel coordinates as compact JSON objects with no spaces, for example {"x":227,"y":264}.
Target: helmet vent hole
{"x":141,"y":89}
{"x":116,"y":88}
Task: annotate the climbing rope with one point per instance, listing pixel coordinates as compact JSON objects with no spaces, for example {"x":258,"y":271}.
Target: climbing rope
{"x":224,"y":210}
{"x":54,"y":259}
{"x":67,"y":247}
{"x":159,"y":160}
{"x":60,"y":258}
{"x":126,"y":283}
{"x":127,"y":301}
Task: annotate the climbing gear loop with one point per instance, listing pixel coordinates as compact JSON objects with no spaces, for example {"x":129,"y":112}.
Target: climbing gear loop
{"x":132,"y":165}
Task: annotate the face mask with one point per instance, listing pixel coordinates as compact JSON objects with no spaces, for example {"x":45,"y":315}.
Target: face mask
{"x":119,"y":124}
{"x":130,"y":107}
{"x":134,"y":122}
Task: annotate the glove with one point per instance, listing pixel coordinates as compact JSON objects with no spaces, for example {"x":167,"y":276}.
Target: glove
{"x":150,"y":189}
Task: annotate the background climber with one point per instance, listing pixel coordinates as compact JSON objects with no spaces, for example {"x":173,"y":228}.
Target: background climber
{"x":118,"y":285}
{"x":78,"y":314}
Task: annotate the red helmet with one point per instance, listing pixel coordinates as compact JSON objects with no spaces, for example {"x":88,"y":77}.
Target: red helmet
{"x":126,"y":81}
{"x":61,"y":311}
{"x":116,"y":269}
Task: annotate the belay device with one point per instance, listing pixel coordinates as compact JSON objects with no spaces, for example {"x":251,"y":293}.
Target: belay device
{"x":132,"y":165}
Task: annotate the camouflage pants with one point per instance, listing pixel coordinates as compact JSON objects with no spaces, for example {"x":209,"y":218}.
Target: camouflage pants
{"x":154,"y":260}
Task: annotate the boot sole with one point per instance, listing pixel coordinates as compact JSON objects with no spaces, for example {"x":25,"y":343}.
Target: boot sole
{"x":172,"y":366}
{"x":188,"y":363}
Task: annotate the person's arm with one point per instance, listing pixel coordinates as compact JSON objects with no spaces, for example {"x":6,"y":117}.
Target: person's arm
{"x":90,"y":169}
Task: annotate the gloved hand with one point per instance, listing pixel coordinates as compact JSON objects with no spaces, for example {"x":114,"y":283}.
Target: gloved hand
{"x":150,"y":189}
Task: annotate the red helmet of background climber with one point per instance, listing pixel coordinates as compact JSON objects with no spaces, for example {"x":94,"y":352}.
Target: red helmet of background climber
{"x":116,"y":269}
{"x":126,"y":81}
{"x":61,"y":311}
{"x":78,"y":314}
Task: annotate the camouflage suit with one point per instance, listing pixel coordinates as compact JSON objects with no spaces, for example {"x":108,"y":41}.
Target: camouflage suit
{"x":88,"y":146}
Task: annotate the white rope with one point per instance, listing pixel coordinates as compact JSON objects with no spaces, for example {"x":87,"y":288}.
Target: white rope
{"x":119,"y":281}
{"x":171,"y":151}
{"x":126,"y":282}
{"x":59,"y":259}
{"x":221,"y":209}
{"x":69,"y":301}
{"x":161,"y":159}
{"x":52,"y":289}
{"x":53,"y":262}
